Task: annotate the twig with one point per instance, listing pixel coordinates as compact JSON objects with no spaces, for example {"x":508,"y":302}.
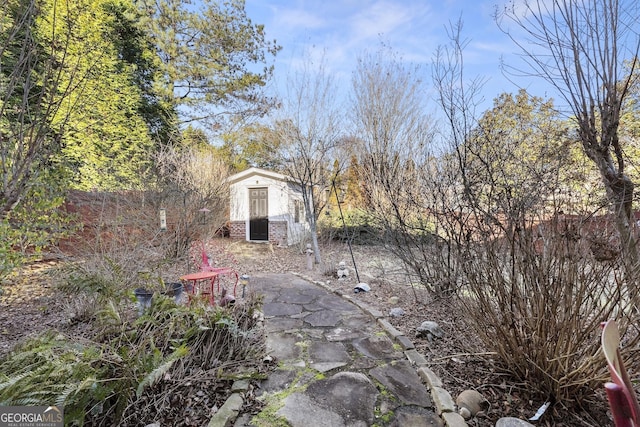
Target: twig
{"x":451,"y":356}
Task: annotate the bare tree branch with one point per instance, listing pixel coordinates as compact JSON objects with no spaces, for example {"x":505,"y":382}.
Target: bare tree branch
{"x":310,"y":128}
{"x":588,"y":51}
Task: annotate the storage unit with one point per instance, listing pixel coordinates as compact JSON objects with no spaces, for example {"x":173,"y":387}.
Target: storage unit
{"x":266,"y":206}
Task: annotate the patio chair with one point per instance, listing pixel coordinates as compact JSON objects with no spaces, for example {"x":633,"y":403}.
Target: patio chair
{"x":205,"y":265}
{"x":622,"y":397}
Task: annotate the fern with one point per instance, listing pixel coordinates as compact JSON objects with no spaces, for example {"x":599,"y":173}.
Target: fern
{"x":159,"y":372}
{"x":72,"y":390}
{"x":10,"y":382}
{"x":110,"y":314}
{"x":100,"y":379}
{"x":25,"y":384}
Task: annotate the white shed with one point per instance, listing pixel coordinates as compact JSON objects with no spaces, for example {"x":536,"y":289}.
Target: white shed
{"x":266,"y":206}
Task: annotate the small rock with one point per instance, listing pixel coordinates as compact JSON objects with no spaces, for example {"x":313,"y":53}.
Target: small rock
{"x":464,"y":413}
{"x":394,"y":300}
{"x":430,"y":330}
{"x":396,"y":312}
{"x":362,"y":287}
{"x":470,"y":403}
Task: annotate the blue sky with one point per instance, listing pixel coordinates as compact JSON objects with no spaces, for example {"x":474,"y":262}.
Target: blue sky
{"x":342,"y":30}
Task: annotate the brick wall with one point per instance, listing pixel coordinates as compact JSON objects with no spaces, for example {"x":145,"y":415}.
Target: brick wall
{"x":278,"y":232}
{"x":237,"y":230}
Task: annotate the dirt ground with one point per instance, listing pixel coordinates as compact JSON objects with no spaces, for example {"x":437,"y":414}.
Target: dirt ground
{"x":31,"y":303}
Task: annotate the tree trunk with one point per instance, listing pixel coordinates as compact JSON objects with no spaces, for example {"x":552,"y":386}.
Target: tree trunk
{"x":620,"y":192}
{"x":619,"y":189}
{"x":313,"y":223}
{"x":607,"y":154}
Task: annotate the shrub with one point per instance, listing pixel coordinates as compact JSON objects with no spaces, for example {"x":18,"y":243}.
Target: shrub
{"x":358,"y":227}
{"x":104,"y":381}
{"x":538,"y":301}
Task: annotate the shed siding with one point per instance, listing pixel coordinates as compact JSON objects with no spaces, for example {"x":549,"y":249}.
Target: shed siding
{"x":282,"y":194}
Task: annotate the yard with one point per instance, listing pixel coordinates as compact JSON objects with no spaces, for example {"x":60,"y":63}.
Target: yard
{"x":34,"y":303}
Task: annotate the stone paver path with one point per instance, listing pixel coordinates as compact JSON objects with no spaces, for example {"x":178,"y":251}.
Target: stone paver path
{"x":336,"y":365}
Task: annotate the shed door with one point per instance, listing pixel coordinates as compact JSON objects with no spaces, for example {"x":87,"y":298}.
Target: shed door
{"x":258,"y":215}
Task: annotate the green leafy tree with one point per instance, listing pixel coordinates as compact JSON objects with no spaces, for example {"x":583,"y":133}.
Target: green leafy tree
{"x":253,"y":145}
{"x":36,"y":222}
{"x":212,"y":55}
{"x":33,"y":177}
{"x":30,"y":97}
{"x":137,"y":53}
{"x":516,"y":154}
{"x":108,"y":140}
{"x":72,"y":108}
{"x":354,"y":183}
{"x":194,"y":138}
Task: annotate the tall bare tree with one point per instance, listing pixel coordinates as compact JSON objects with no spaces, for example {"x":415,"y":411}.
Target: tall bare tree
{"x":310,"y":129}
{"x":588,"y":51}
{"x":394,"y":134}
{"x":459,"y":97}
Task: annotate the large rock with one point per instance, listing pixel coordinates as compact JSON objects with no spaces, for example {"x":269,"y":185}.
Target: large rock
{"x":345,"y":399}
{"x":470,"y":403}
{"x":429,"y":330}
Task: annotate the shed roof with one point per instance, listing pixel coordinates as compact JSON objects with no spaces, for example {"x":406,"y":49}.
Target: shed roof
{"x":260,"y":172}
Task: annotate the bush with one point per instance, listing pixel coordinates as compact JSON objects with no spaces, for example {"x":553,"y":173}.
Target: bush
{"x":538,"y":301}
{"x":107,"y":380}
{"x":29,"y":230}
{"x":358,"y":227}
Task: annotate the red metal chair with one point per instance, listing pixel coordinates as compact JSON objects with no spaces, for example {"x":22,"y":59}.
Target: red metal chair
{"x":205,"y":265}
{"x":622,"y":397}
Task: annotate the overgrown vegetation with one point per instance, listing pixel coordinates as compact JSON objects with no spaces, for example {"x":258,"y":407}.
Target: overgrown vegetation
{"x":107,"y":366}
{"x":501,"y":215}
{"x":524,"y":216}
{"x":173,"y":363}
{"x":90,"y":100}
{"x":536,"y":296}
